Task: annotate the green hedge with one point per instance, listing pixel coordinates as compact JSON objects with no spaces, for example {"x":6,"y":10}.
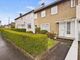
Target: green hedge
{"x":43,"y":31}
{"x":18,"y":30}
{"x":32,"y":43}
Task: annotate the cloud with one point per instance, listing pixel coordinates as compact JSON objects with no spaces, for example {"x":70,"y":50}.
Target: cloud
{"x":41,"y":1}
{"x":46,"y":1}
{"x":30,"y":7}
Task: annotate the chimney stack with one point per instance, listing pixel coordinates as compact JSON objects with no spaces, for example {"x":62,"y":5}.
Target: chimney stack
{"x":20,"y":14}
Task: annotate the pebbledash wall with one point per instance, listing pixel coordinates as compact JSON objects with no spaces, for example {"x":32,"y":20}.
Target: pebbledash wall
{"x":26,"y":21}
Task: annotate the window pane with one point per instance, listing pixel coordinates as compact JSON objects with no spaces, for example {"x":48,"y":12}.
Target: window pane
{"x":43,"y":13}
{"x":29,"y":26}
{"x":54,"y":10}
{"x":68,"y":27}
{"x":35,"y":16}
{"x":72,"y":3}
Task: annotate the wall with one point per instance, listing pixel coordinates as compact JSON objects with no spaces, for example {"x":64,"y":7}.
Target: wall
{"x":29,"y":18}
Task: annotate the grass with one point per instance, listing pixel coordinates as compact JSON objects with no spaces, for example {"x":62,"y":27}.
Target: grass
{"x":51,"y":43}
{"x":34,"y":44}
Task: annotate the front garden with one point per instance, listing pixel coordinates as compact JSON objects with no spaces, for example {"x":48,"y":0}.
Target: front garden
{"x":34,"y":44}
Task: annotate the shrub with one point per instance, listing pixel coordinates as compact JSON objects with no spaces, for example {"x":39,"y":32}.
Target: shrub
{"x":43,"y":31}
{"x":34,"y":44}
{"x":29,"y":32}
{"x":51,"y":35}
{"x":37,"y":30}
{"x":19,"y":30}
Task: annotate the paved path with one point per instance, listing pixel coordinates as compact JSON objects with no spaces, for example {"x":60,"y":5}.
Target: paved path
{"x":8,"y":52}
{"x":59,"y":52}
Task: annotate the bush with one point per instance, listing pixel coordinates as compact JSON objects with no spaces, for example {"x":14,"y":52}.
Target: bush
{"x":19,"y":30}
{"x":29,"y":32}
{"x":34,"y":44}
{"x":37,"y":30}
{"x":43,"y":31}
{"x":51,"y":35}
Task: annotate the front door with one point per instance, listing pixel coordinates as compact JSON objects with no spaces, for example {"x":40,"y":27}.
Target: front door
{"x":62,"y":29}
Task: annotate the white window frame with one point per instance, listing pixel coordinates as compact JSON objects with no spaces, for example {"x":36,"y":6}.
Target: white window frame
{"x":73,"y":3}
{"x":43,"y":13}
{"x":54,"y":10}
{"x":35,"y":16}
{"x":41,"y":26}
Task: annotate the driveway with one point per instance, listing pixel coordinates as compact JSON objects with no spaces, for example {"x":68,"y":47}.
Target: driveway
{"x":8,"y":52}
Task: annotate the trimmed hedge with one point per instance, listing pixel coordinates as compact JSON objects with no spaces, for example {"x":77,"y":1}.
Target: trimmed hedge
{"x":34,"y":44}
{"x":18,"y":30}
{"x":43,"y":31}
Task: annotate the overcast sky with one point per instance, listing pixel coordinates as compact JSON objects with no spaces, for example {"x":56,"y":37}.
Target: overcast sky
{"x":10,"y":9}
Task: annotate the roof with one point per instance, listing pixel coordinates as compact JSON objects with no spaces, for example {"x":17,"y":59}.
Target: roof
{"x":52,"y":4}
{"x":24,"y":14}
{"x":42,"y":8}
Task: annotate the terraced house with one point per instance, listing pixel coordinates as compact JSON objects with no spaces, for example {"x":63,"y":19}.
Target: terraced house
{"x":25,"y":21}
{"x":61,"y":17}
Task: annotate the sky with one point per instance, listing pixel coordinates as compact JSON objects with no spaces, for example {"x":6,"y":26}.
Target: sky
{"x":10,"y":9}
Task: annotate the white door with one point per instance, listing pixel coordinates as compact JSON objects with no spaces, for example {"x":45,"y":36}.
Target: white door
{"x":62,"y":29}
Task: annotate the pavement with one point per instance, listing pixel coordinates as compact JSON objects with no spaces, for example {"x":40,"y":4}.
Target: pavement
{"x":9,"y":52}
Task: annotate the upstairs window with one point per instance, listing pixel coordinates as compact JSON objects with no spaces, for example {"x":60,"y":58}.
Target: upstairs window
{"x":35,"y":16}
{"x":54,"y":10}
{"x":73,"y":3}
{"x":43,"y":13}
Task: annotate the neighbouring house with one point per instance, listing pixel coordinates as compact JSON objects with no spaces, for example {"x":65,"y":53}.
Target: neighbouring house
{"x":12,"y":24}
{"x":7,"y":26}
{"x":61,"y":17}
{"x":26,"y":21}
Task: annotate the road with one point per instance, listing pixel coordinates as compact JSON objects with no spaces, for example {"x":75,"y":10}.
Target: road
{"x":9,"y":52}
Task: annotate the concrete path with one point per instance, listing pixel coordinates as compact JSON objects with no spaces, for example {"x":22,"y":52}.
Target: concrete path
{"x":8,"y":52}
{"x":59,"y":52}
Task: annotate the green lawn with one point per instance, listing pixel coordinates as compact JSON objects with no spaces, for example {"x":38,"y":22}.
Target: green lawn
{"x":34,"y":44}
{"x":51,"y":43}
